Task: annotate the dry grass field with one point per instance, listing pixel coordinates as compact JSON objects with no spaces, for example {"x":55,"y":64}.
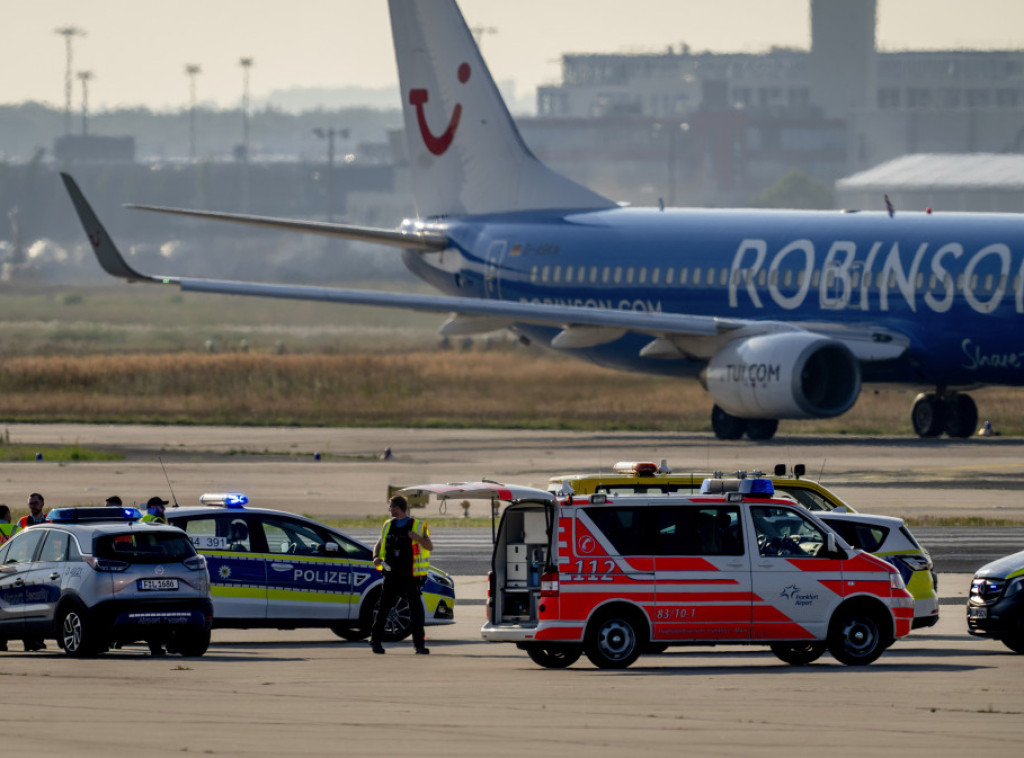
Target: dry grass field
{"x":509,"y":387}
{"x":148,"y":354}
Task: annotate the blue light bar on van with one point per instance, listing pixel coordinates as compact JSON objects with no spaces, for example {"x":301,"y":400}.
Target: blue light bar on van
{"x":757,"y":487}
{"x":224,"y":499}
{"x":93,"y":515}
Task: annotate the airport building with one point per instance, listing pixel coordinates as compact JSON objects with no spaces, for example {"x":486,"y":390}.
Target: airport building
{"x":729,"y":124}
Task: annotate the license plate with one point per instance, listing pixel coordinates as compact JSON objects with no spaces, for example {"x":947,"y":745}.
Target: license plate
{"x":977,"y":613}
{"x":158,"y":584}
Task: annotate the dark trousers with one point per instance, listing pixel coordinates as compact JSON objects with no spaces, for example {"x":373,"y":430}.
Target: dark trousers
{"x":396,"y":586}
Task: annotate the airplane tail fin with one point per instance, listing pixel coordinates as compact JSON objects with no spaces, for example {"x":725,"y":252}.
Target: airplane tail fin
{"x":465,"y":152}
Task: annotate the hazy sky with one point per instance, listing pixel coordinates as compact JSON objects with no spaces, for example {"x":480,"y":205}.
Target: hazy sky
{"x":137,"y":49}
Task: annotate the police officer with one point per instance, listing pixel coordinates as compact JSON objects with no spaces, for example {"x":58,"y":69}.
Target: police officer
{"x":155,"y":510}
{"x":403,"y":554}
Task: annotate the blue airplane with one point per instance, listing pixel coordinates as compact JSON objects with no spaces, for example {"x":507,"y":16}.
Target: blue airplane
{"x":779,"y":314}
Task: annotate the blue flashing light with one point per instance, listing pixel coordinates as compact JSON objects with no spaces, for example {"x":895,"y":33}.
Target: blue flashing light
{"x":225,"y":499}
{"x":757,"y":487}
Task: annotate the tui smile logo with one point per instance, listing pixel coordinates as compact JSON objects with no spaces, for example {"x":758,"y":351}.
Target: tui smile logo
{"x":418,"y":97}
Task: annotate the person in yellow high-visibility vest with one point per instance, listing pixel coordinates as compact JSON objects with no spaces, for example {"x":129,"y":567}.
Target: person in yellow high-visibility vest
{"x":403,"y":554}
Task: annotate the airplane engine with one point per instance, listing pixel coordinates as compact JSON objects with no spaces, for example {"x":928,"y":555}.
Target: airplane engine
{"x":784,"y":375}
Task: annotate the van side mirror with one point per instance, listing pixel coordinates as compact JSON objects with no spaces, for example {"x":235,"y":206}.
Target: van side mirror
{"x":831,"y":543}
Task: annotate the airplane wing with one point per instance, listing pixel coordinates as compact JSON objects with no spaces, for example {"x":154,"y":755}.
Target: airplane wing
{"x":673,"y":335}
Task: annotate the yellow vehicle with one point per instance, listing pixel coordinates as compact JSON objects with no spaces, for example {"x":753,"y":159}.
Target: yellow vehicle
{"x":884,"y":536}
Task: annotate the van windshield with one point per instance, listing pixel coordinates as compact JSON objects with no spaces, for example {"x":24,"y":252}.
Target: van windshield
{"x":144,"y":547}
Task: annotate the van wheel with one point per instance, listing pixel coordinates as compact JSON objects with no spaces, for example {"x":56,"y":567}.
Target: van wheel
{"x":855,"y":637}
{"x":559,"y":657}
{"x":77,"y":633}
{"x":798,"y":653}
{"x":613,"y":642}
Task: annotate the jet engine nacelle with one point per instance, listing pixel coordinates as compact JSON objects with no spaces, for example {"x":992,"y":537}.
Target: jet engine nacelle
{"x":784,"y":375}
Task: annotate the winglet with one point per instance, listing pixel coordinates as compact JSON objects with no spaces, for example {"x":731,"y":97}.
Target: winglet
{"x":106,"y":252}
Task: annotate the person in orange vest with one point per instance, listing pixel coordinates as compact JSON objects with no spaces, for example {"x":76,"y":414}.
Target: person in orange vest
{"x":35,"y":513}
{"x":403,"y":554}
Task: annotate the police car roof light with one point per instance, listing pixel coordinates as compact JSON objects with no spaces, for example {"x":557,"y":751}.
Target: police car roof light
{"x":757,"y":487}
{"x":95,"y":514}
{"x":639,"y":468}
{"x":224,"y":499}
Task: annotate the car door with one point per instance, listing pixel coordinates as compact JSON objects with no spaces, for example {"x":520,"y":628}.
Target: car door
{"x":16,"y":563}
{"x":238,"y":572}
{"x":792,"y":572}
{"x":44,"y":579}
{"x":309,"y":575}
{"x":703,"y":574}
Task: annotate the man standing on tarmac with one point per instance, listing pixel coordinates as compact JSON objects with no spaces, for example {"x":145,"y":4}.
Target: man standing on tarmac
{"x":35,"y":513}
{"x":403,"y":554}
{"x":155,"y":510}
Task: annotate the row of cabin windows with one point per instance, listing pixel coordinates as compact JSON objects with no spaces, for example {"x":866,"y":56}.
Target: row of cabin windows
{"x":698,"y":276}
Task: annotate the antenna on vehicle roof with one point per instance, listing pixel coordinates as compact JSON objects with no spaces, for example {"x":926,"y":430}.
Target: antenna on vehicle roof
{"x":173,"y":498}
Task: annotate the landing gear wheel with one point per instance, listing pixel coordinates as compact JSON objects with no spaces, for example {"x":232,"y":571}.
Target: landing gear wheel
{"x":760,"y":429}
{"x":726,"y":426}
{"x":961,"y":416}
{"x":798,"y":653}
{"x":559,"y":657}
{"x":855,"y":637}
{"x":613,"y":642}
{"x":77,"y":633}
{"x":928,"y":415}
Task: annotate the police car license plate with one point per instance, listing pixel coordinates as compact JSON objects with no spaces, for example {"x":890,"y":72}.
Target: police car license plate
{"x":158,"y":584}
{"x":977,"y":613}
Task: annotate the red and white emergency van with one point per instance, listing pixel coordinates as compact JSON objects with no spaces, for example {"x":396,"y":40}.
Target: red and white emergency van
{"x":613,"y":576}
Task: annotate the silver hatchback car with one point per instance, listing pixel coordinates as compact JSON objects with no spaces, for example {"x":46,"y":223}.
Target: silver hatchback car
{"x":91,"y":581}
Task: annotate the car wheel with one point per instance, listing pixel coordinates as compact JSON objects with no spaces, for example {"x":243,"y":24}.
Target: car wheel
{"x":798,"y":653}
{"x":855,"y":637}
{"x":77,"y":633}
{"x":558,"y":657}
{"x":351,"y":633}
{"x":398,"y":624}
{"x":1015,"y":640}
{"x":190,"y":644}
{"x":613,"y":641}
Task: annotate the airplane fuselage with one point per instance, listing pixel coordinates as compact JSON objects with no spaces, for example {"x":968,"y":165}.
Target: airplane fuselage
{"x":953,"y":284}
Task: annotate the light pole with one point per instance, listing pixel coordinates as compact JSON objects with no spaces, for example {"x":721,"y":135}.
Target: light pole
{"x":246,"y":64}
{"x":84,"y":77}
{"x":329,"y":135}
{"x":68,"y":33}
{"x":192,"y":70}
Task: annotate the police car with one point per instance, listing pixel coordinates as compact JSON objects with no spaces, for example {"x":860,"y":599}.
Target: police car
{"x":886,"y":537}
{"x":995,"y":606}
{"x":276,"y":569}
{"x":611,"y":575}
{"x":94,"y":577}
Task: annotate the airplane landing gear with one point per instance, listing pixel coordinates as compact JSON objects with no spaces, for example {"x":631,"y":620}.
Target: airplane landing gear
{"x":936,"y":412}
{"x":729,"y":427}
